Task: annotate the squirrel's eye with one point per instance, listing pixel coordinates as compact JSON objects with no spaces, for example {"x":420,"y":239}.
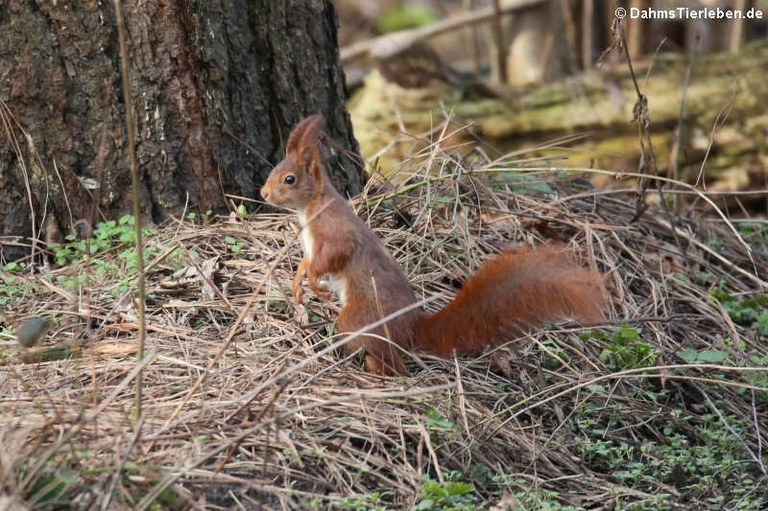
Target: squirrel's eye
{"x":290,"y":179}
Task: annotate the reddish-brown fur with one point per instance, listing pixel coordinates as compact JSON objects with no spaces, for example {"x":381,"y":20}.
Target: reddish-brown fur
{"x":512,"y":292}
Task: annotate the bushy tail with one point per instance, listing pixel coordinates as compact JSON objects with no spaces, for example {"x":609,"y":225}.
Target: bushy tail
{"x":511,"y":293}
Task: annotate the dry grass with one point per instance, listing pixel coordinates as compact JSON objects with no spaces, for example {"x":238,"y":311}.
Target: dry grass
{"x":274,"y":419}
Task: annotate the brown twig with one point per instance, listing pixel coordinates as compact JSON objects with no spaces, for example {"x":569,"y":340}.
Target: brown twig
{"x":359,"y":50}
{"x":138,"y":241}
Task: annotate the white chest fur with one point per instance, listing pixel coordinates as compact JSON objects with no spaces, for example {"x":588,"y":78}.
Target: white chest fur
{"x":306,"y":239}
{"x":336,"y":284}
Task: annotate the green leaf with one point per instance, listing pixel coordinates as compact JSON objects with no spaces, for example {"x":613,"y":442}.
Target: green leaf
{"x":712,"y":356}
{"x":690,"y":355}
{"x":458,"y":487}
{"x":424,"y":504}
{"x":402,"y":17}
{"x":628,"y":333}
{"x":762,"y":322}
{"x":436,"y":420}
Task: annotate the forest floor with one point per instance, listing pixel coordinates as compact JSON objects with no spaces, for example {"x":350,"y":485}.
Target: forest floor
{"x":247,"y":404}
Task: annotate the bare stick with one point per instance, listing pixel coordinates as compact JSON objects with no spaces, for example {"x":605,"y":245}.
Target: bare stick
{"x":498,"y":36}
{"x":359,"y":50}
{"x":676,"y":150}
{"x":587,"y":15}
{"x":138,"y":243}
{"x":737,"y":27}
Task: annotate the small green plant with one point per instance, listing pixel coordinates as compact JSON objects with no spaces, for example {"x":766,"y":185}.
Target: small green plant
{"x":762,"y":322}
{"x":694,"y":356}
{"x":745,"y":311}
{"x":450,"y":495}
{"x":436,"y":421}
{"x":625,"y":349}
{"x":754,"y":231}
{"x":12,"y":288}
{"x":12,"y":266}
{"x":533,"y":498}
{"x":708,"y":460}
{"x":105,"y":236}
{"x":70,"y":283}
{"x":203,"y":218}
{"x":235,"y":246}
{"x":129,"y":256}
{"x":373,"y":501}
{"x":481,"y":474}
{"x":552,"y":355}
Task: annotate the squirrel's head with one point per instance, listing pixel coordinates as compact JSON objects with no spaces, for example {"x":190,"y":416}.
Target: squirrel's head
{"x":295,"y":180}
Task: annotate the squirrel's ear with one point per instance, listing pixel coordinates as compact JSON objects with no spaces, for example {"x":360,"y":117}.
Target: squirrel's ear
{"x":304,"y":134}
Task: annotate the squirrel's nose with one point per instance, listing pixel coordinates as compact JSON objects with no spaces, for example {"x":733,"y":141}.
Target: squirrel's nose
{"x":264,"y":193}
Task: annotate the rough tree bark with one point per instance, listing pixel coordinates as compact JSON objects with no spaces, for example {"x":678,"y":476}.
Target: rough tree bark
{"x":216,"y":87}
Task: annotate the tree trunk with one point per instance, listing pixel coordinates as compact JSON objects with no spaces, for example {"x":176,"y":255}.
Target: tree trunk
{"x":216,"y":88}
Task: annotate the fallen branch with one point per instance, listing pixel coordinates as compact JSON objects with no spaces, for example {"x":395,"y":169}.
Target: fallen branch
{"x":405,"y":38}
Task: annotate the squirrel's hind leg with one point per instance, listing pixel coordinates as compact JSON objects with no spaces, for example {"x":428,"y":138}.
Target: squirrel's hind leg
{"x":381,"y":355}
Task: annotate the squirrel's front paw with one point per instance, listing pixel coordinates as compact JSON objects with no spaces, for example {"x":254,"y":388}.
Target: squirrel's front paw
{"x":296,"y":289}
{"x":298,"y":295}
{"x":322,"y":291}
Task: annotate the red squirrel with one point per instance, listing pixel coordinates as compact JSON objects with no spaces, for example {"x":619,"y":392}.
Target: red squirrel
{"x":511,"y":293}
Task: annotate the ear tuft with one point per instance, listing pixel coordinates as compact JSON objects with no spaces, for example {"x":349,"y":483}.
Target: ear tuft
{"x":304,"y":134}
